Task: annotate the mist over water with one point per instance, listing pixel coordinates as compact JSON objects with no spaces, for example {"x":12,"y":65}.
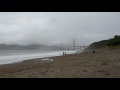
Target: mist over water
{"x":54,"y":28}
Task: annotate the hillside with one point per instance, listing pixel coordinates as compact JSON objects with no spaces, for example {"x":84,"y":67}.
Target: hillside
{"x":19,"y":47}
{"x":113,"y":43}
{"x":28,"y":47}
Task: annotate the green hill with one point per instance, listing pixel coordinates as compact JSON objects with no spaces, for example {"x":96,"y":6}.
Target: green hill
{"x":113,"y":43}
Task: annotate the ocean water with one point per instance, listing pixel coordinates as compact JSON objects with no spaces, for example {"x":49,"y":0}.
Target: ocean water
{"x":13,"y":56}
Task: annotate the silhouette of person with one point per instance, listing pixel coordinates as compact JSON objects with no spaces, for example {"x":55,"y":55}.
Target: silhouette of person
{"x":93,"y":51}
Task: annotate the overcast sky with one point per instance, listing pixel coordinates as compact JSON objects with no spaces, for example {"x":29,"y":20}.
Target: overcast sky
{"x":54,"y":28}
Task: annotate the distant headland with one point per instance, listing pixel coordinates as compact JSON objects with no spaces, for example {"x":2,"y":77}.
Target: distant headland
{"x":112,"y":43}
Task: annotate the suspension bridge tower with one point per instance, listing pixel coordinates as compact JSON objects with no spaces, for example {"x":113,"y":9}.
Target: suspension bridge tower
{"x":74,"y":44}
{"x":61,"y":45}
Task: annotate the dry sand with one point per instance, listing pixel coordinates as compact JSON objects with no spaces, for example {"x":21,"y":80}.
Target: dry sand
{"x":102,"y":64}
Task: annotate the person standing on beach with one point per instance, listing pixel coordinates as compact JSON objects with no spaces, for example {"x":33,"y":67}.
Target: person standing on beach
{"x":93,"y":51}
{"x":63,"y":53}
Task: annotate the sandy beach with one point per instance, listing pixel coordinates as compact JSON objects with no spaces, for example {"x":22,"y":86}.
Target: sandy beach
{"x":102,"y":64}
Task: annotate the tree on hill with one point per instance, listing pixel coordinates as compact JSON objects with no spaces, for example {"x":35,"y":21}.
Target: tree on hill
{"x":114,"y":41}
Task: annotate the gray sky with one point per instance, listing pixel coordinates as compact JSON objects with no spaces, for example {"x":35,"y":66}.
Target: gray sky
{"x":54,"y":28}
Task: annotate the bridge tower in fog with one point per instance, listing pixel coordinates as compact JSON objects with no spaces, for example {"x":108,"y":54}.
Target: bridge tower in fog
{"x":61,"y":45}
{"x":81,"y":47}
{"x":74,"y":44}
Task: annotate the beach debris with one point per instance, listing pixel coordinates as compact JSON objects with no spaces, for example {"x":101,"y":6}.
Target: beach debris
{"x":47,"y":59}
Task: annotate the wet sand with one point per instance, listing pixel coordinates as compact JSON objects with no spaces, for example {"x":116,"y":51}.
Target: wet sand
{"x":102,"y":64}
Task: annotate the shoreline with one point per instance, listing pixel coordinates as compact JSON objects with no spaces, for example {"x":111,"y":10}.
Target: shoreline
{"x":34,"y":56}
{"x":102,"y":64}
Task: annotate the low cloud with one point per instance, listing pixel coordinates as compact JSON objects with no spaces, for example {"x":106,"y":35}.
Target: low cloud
{"x":54,"y":28}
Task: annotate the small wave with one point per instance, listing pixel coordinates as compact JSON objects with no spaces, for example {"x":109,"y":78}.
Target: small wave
{"x":19,"y":58}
